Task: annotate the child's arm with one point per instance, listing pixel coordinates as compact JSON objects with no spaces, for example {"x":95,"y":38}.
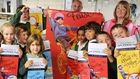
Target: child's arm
{"x":24,"y":64}
{"x":53,"y":24}
{"x":111,"y":58}
{"x":85,"y":53}
{"x":45,"y":62}
{"x":116,"y":53}
{"x":16,"y":18}
{"x":72,"y":28}
{"x":109,"y":54}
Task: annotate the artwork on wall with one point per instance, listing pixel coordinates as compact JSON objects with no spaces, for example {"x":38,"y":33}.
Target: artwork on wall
{"x":67,"y":5}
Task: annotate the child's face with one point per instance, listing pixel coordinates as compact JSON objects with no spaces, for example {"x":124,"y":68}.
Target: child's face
{"x":23,"y":36}
{"x":119,"y":33}
{"x":35,"y":47}
{"x":104,"y":38}
{"x":25,"y":16}
{"x":59,"y":21}
{"x":8,"y":35}
{"x":81,"y":36}
{"x":90,"y":34}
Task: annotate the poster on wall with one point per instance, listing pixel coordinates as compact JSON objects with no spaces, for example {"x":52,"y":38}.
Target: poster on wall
{"x":128,"y":64}
{"x":36,"y":21}
{"x":9,"y":62}
{"x":70,"y":21}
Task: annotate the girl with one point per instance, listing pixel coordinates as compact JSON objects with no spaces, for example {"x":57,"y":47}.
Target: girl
{"x":103,"y":37}
{"x":8,"y":33}
{"x":34,"y":49}
{"x":92,"y":28}
{"x":82,"y":44}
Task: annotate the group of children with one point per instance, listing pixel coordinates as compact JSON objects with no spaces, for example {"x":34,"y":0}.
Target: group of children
{"x":17,"y":32}
{"x":91,"y":32}
{"x":31,"y":46}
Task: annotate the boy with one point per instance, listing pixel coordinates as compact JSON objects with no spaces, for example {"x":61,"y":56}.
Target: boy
{"x":120,"y":31}
{"x":21,"y":17}
{"x":22,"y":34}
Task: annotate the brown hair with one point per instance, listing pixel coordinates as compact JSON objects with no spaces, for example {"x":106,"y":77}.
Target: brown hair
{"x":31,"y":39}
{"x":127,"y":17}
{"x":7,"y":25}
{"x":118,"y":26}
{"x":21,"y":28}
{"x":103,"y":32}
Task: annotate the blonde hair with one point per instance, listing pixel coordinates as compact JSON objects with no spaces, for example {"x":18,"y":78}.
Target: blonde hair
{"x":31,"y":39}
{"x":127,"y":17}
{"x":7,"y":25}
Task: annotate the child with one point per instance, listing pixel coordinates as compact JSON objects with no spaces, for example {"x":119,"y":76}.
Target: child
{"x":120,"y":31}
{"x":8,"y":33}
{"x":92,"y":28}
{"x":34,"y":49}
{"x":60,"y":30}
{"x":22,"y":34}
{"x":103,"y":37}
{"x":82,"y":44}
{"x":21,"y":17}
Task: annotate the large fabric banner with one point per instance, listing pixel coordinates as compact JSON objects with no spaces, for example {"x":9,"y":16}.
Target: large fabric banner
{"x":128,"y":64}
{"x":68,"y":19}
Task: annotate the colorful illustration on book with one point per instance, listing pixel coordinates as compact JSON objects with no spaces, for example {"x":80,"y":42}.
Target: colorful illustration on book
{"x":128,"y":64}
{"x":36,"y":23}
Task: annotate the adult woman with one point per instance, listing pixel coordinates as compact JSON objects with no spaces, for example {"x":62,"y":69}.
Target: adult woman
{"x":122,"y":15}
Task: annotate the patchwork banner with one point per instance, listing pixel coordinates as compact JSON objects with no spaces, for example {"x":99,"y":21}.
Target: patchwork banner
{"x":9,"y":62}
{"x":128,"y":64}
{"x":59,"y":57}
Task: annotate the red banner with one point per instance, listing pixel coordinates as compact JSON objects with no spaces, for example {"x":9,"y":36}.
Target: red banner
{"x":59,"y":58}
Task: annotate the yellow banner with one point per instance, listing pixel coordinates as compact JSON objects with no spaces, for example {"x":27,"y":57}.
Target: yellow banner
{"x":128,"y":64}
{"x":36,"y":23}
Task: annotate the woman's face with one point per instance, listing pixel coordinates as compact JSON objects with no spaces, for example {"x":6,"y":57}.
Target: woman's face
{"x":120,"y":11}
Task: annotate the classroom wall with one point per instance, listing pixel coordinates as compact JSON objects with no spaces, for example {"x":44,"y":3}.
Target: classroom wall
{"x":106,"y":9}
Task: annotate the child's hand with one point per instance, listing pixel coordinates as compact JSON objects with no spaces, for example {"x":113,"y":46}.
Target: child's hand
{"x":45,"y":62}
{"x":28,"y":63}
{"x":108,"y":52}
{"x":20,"y":53}
{"x":116,"y":53}
{"x":25,"y":9}
{"x":138,"y":46}
{"x":85,"y":53}
{"x":50,"y":13}
{"x":1,"y":50}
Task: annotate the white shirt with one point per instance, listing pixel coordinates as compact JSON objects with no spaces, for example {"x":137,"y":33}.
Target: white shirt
{"x":81,"y":46}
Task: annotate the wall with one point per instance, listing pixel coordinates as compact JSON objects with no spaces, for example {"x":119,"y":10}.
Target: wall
{"x":107,"y":10}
